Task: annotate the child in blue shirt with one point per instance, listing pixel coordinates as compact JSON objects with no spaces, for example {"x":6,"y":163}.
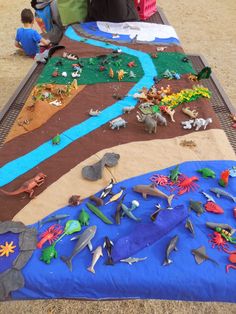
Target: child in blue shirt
{"x":27,"y":38}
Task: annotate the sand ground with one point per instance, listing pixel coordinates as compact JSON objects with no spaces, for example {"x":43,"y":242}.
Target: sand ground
{"x":204,"y":27}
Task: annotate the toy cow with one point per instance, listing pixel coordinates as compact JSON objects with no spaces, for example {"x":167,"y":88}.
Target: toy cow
{"x":117,"y":123}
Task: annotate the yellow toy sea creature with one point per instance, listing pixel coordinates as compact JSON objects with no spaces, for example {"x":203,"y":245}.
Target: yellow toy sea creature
{"x":7,"y":249}
{"x":116,"y":196}
{"x":121,"y":74}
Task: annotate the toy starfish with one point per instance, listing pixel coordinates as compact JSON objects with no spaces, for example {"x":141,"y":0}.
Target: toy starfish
{"x":7,"y":249}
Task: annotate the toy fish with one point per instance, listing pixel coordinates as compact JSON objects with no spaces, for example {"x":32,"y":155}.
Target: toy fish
{"x":152,"y":190}
{"x":52,"y":218}
{"x":116,"y":196}
{"x":171,"y":246}
{"x":107,"y":189}
{"x":214,"y":225}
{"x":96,"y":255}
{"x":98,"y":201}
{"x":197,"y":207}
{"x":84,"y":239}
{"x":209,"y":197}
{"x":224,"y":178}
{"x":108,"y":244}
{"x":200,"y":255}
{"x":189,"y":226}
{"x":223,"y":193}
{"x":128,"y":211}
{"x":131,"y":260}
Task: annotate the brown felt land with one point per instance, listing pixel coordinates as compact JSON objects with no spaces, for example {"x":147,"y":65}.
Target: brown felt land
{"x":90,"y":144}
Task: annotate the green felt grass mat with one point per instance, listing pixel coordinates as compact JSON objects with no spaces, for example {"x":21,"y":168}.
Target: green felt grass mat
{"x":91,"y":73}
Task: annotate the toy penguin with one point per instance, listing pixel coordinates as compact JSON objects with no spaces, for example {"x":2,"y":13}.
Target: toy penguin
{"x":107,"y":189}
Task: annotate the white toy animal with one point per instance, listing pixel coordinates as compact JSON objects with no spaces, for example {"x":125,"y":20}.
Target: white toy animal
{"x":200,"y":122}
{"x":187,"y":124}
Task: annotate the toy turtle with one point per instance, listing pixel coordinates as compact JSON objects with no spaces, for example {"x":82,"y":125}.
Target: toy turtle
{"x":207,"y":173}
{"x":84,"y":218}
{"x":48,"y":253}
{"x":56,"y":139}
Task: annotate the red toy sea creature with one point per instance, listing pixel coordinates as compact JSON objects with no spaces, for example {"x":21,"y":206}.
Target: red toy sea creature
{"x":217,"y":240}
{"x":232,"y":259}
{"x":185,"y":184}
{"x":224,"y":178}
{"x":50,"y":235}
{"x":213,"y":208}
{"x":160,"y":179}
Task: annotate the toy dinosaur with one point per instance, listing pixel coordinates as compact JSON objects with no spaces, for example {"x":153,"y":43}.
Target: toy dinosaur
{"x":28,"y":186}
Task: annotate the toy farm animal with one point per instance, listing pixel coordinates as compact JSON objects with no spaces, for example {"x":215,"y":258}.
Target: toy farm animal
{"x":159,"y":118}
{"x":117,"y":123}
{"x":202,"y":123}
{"x":94,"y":113}
{"x":127,"y":109}
{"x":150,"y":123}
{"x":191,"y":113}
{"x":28,"y":186}
{"x":187,"y":124}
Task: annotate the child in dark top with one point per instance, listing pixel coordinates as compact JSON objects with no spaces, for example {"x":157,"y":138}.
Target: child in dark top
{"x":27,"y":38}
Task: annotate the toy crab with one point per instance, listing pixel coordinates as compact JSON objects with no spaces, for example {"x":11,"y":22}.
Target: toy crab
{"x":159,"y":179}
{"x":50,"y":235}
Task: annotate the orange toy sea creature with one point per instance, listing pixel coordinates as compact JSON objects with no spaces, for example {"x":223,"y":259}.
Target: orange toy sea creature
{"x":232,"y":259}
{"x":7,"y":249}
{"x":224,"y":178}
{"x":50,"y":235}
{"x":185,"y":184}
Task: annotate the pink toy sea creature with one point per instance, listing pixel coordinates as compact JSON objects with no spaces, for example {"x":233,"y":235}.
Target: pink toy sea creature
{"x":50,"y":235}
{"x":185,"y":184}
{"x":160,"y":179}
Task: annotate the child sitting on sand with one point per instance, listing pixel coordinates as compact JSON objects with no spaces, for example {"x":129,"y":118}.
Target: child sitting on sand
{"x":27,"y":38}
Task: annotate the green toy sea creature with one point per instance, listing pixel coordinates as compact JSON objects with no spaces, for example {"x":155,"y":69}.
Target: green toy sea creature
{"x":84,"y":218}
{"x":226,"y":235}
{"x":174,"y":174}
{"x":207,"y":173}
{"x":48,"y":253}
{"x":72,"y":226}
{"x":56,"y":139}
{"x":197,"y":207}
{"x":98,"y":213}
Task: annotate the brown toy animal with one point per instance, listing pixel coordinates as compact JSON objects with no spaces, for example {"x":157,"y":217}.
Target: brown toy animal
{"x":150,"y":123}
{"x":28,"y":186}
